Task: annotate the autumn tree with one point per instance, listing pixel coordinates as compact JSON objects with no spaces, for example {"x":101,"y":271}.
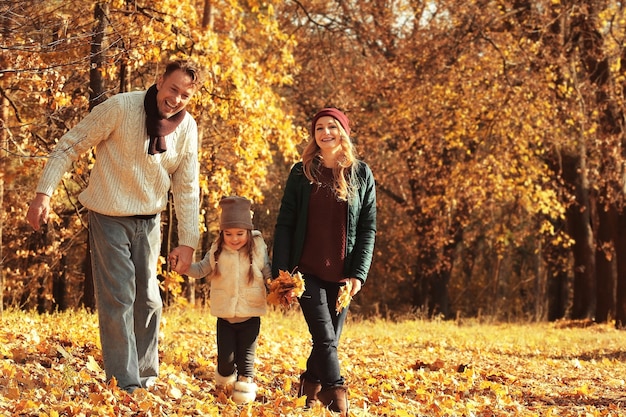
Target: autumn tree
{"x":481,"y":122}
{"x":494,"y":130}
{"x":54,"y":49}
{"x":509,"y":118}
{"x":580,"y":45}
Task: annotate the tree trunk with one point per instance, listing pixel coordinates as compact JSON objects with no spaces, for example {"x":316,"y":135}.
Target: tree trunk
{"x":420,"y":288}
{"x":583,"y":250}
{"x":98,"y":47}
{"x":207,"y":15}
{"x":169,"y":237}
{"x":439,"y":300}
{"x":4,"y":142}
{"x":605,"y":264}
{"x":88,"y":299}
{"x":557,"y":286}
{"x":96,"y":96}
{"x":541,"y":301}
{"x":202,"y":286}
{"x":557,"y":295}
{"x":620,"y":251}
{"x":40,"y":241}
{"x":4,"y":108}
{"x":59,"y":286}
{"x":1,"y":227}
{"x":125,"y":84}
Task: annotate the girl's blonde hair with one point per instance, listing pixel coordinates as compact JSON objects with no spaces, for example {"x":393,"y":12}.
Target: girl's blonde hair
{"x":248,"y":248}
{"x":345,"y":181}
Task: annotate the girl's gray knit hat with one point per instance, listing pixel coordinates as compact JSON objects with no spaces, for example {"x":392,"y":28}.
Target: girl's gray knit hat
{"x":236,"y":213}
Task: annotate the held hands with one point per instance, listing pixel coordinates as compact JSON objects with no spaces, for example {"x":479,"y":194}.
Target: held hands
{"x":180,"y":258}
{"x":38,"y":211}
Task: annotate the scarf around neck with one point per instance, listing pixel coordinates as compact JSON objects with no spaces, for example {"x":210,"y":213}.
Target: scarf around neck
{"x":157,"y":126}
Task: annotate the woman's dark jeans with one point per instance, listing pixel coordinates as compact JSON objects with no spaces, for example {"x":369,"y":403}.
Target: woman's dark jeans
{"x":236,"y":346}
{"x":318,"y":304}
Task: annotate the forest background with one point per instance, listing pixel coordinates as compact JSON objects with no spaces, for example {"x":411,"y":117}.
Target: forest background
{"x":495,"y":130}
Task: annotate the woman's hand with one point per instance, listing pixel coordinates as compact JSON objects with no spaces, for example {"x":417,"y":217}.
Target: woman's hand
{"x":356,"y":286}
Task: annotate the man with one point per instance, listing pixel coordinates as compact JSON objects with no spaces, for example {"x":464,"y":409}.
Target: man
{"x":145,"y":144}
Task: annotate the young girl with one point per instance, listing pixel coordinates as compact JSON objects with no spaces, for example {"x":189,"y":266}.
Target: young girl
{"x":237,"y":265}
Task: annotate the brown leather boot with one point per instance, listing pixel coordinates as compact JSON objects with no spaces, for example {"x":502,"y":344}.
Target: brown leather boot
{"x":310,"y":389}
{"x":335,"y":398}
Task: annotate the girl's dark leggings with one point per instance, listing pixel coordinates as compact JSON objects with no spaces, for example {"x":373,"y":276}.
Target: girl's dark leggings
{"x":236,"y":346}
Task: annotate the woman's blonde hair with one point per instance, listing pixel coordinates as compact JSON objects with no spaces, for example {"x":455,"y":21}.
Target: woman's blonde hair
{"x":345,"y":182}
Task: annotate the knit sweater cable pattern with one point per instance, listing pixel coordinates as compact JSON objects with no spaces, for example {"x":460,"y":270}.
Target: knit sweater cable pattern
{"x":125,"y":180}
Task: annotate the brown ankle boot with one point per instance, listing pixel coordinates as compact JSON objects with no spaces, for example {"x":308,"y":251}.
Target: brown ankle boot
{"x":335,"y":398}
{"x":310,"y":389}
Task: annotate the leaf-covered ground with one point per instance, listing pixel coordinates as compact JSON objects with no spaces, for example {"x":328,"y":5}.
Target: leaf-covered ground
{"x":50,"y":365}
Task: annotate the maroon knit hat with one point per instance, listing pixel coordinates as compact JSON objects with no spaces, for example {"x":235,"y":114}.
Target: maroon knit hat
{"x":332,"y":112}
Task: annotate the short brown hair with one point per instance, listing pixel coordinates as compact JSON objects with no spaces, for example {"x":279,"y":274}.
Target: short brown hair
{"x":187,"y":67}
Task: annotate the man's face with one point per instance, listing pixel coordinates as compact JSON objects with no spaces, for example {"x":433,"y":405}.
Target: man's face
{"x":174,"y":92}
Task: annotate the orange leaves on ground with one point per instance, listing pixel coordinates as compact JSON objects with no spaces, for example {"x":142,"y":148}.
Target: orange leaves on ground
{"x":50,"y":365}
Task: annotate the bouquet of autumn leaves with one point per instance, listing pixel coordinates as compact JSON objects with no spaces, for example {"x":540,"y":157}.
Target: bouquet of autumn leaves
{"x":288,"y":286}
{"x":285,"y":288}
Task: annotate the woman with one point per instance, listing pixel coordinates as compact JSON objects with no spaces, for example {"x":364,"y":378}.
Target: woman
{"x":325,"y":229}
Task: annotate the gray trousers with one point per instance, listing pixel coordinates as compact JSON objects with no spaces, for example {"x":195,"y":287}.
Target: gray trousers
{"x":124,"y":255}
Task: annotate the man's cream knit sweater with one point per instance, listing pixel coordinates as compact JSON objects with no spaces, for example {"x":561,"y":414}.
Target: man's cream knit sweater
{"x":125,"y":180}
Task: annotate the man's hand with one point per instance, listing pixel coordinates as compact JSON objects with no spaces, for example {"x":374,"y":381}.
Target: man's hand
{"x":38,"y":211}
{"x":180,"y":258}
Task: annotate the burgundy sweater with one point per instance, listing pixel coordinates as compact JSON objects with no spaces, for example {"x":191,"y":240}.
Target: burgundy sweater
{"x":325,"y":244}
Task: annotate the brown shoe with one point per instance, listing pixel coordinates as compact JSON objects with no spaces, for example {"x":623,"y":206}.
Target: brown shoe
{"x":310,"y":389}
{"x":335,"y":398}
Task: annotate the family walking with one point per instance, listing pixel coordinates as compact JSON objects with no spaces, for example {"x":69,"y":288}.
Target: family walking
{"x":146,"y":147}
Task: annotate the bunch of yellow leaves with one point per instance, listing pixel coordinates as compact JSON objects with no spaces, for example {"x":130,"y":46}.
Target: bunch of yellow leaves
{"x":344,"y":298}
{"x":285,"y":289}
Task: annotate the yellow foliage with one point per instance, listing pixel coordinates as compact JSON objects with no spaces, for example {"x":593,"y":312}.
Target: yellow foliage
{"x":465,"y":113}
